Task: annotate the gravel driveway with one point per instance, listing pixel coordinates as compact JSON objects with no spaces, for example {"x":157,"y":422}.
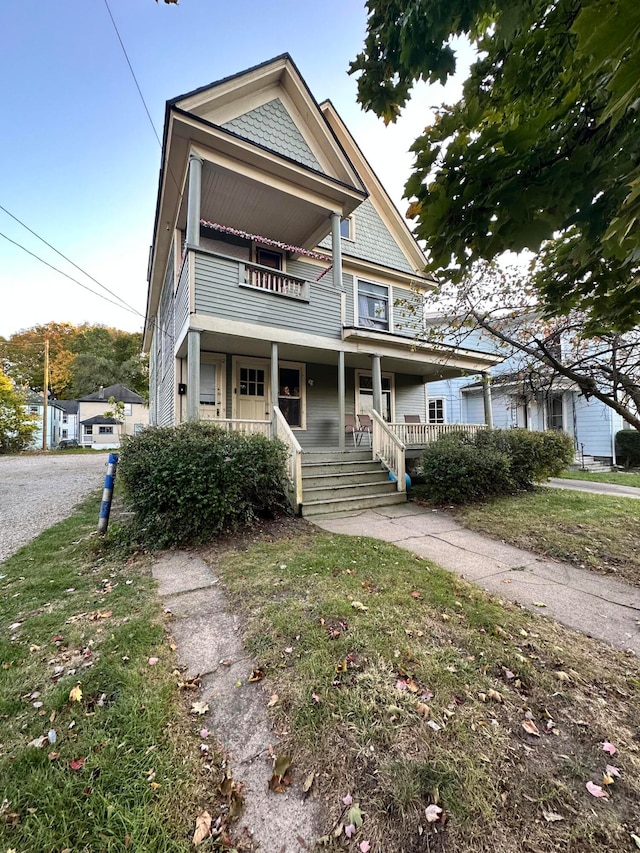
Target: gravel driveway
{"x":37,"y":491}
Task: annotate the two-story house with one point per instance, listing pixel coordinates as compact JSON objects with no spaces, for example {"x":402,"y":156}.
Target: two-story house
{"x":275,"y":270}
{"x":34,"y":405}
{"x":103,"y":431}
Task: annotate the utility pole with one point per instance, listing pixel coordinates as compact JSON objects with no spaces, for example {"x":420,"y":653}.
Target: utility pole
{"x":45,"y":394}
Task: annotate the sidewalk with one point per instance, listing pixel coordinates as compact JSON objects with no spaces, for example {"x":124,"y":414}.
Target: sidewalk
{"x":598,"y":488}
{"x":596,"y":605}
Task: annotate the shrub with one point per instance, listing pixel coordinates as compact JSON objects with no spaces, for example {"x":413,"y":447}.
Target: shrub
{"x":628,"y":448}
{"x":459,"y":468}
{"x":189,"y":483}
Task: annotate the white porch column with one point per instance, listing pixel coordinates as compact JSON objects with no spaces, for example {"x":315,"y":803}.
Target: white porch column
{"x":336,"y":250}
{"x":194,"y":199}
{"x":193,"y":375}
{"x":486,"y":398}
{"x":275,"y":384}
{"x":376,"y":380}
{"x":341,"y":399}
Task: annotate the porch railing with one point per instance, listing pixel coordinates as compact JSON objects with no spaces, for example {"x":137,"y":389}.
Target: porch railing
{"x":389,"y":449}
{"x":244,"y":426}
{"x":294,"y":462}
{"x":419,"y":435}
{"x":274,"y":281}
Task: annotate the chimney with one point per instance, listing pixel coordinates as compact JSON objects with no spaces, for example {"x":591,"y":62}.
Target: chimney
{"x":101,"y":397}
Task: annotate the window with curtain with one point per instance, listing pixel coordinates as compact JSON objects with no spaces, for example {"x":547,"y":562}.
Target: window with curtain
{"x":373,"y":305}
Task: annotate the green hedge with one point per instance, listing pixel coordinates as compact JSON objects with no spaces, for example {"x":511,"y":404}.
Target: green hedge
{"x":188,"y":484}
{"x":628,"y":448}
{"x":459,"y":468}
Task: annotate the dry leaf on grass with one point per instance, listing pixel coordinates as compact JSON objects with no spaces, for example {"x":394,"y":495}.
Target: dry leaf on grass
{"x":530,"y":727}
{"x":273,"y":701}
{"x":75,"y":694}
{"x":199,"y":708}
{"x":256,"y":675}
{"x":609,"y":747}
{"x":77,"y":763}
{"x":203,"y":827}
{"x":279,"y":780}
{"x":596,"y":790}
{"x":551,"y":817}
{"x":358,"y":605}
{"x":308,"y":782}
{"x":432,"y":813}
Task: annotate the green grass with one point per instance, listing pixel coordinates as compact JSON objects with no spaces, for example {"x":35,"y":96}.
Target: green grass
{"x":338,"y":670}
{"x":619,"y":478}
{"x":74,"y":613}
{"x":598,"y":532}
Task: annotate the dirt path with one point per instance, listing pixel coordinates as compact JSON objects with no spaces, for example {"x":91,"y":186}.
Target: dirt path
{"x":38,"y":490}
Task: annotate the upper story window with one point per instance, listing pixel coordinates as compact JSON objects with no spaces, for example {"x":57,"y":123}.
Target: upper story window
{"x":436,"y":411}
{"x":127,"y":410}
{"x":267,"y":258}
{"x":65,"y":419}
{"x":373,"y":305}
{"x":348,"y":228}
{"x":34,"y":410}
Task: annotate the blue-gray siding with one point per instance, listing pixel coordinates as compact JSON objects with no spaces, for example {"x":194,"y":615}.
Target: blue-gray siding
{"x":164,"y":348}
{"x":374,"y":242}
{"x":182,"y":298}
{"x":272,"y":126}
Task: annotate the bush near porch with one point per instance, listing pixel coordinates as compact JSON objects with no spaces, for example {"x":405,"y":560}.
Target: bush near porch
{"x":187,"y":484}
{"x":461,"y":468}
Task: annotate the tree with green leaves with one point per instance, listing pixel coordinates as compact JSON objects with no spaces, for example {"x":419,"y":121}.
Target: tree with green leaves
{"x":541,"y":152}
{"x":17,"y":426}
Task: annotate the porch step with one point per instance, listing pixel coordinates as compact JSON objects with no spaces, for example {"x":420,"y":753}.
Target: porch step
{"x":338,"y":482}
{"x":588,"y":463}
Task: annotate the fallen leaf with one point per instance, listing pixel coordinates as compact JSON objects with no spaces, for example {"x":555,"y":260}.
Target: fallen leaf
{"x":279,"y":779}
{"x":38,"y":742}
{"x":607,"y":779}
{"x":349,"y":830}
{"x":432,"y":813}
{"x":273,"y":701}
{"x":364,"y":847}
{"x":423,"y":709}
{"x":347,"y":800}
{"x":53,"y":755}
{"x":358,"y":605}
{"x":613,"y":771}
{"x":77,"y":763}
{"x":636,"y":839}
{"x":497,"y":697}
{"x":596,"y":790}
{"x":416,"y":595}
{"x":539,"y":604}
{"x":308,"y":782}
{"x":204,"y":733}
{"x":153,"y":661}
{"x":530,"y":727}
{"x":551,"y":817}
{"x":562,"y":676}
{"x":256,"y":675}
{"x":316,"y":698}
{"x":203,"y":827}
{"x":609,"y":747}
{"x":75,"y":694}
{"x":355,"y":815}
{"x":199,"y":708}
{"x":154,"y":785}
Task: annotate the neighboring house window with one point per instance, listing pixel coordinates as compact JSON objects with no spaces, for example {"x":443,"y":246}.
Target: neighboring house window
{"x":266,"y":258}
{"x":291,"y":393}
{"x":137,"y":428}
{"x":65,"y":433}
{"x":373,"y":305}
{"x":436,"y":411}
{"x":554,"y":412}
{"x":105,"y":430}
{"x":127,"y":410}
{"x":347,"y":228}
{"x":65,"y":418}
{"x":33,"y":410}
{"x":88,"y":430}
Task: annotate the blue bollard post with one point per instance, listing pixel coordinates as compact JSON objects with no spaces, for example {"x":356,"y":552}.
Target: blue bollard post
{"x":107,"y":494}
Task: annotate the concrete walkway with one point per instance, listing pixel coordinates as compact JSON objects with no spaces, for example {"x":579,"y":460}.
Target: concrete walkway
{"x":596,"y":605}
{"x":612,"y":489}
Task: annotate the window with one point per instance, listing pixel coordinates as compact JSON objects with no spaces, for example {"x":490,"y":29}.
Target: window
{"x":88,"y":430}
{"x":251,"y":382}
{"x":127,"y":410}
{"x":267,"y":258}
{"x":65,"y":419}
{"x":65,"y":433}
{"x":364,"y":396}
{"x":554,"y":412}
{"x":347,"y":228}
{"x":373,"y":305}
{"x":208,"y":384}
{"x":33,"y":410}
{"x":436,"y":411}
{"x":105,"y":430}
{"x":291,"y":388}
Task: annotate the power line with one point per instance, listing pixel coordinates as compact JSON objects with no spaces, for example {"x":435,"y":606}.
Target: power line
{"x":133,"y":74}
{"x":58,"y":252}
{"x":71,"y":278}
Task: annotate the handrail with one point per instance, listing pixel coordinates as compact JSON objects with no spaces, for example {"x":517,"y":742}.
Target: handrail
{"x":389,"y":449}
{"x":294,"y":462}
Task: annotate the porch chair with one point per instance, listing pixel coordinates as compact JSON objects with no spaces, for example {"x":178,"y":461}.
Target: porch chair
{"x":351,"y":428}
{"x":412,"y":419}
{"x":366,"y":426}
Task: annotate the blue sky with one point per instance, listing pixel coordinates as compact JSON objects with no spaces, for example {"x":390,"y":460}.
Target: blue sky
{"x":79,"y":159}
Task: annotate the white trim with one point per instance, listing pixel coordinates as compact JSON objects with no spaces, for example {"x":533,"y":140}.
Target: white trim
{"x":356,"y":311}
{"x":392,"y":390}
{"x":438,"y":399}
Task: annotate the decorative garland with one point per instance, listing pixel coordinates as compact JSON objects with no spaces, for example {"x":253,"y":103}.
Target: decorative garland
{"x":257,"y":238}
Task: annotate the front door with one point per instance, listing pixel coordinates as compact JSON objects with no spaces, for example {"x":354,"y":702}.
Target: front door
{"x":252,"y":390}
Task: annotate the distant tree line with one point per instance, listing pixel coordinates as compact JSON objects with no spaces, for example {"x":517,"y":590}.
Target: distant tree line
{"x":81,"y":358}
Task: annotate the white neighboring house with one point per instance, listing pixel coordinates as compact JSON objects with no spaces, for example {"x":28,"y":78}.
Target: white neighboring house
{"x":34,"y":405}
{"x":69,"y":427}
{"x":101,"y":432}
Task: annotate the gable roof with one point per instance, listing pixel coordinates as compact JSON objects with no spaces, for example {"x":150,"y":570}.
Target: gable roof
{"x":69,"y":406}
{"x":99,"y":419}
{"x":120,"y":393}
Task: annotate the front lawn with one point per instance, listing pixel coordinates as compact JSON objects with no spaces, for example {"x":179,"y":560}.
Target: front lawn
{"x":619,"y":478}
{"x":428,"y":716}
{"x":597,"y":532}
{"x":97,"y":751}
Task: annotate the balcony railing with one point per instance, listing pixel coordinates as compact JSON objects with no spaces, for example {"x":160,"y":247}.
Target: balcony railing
{"x":419,"y":435}
{"x":274,"y":281}
{"x":244,"y":426}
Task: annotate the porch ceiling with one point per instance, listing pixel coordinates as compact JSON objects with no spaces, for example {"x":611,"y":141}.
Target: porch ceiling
{"x":238,"y":201}
{"x":426,"y":367}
